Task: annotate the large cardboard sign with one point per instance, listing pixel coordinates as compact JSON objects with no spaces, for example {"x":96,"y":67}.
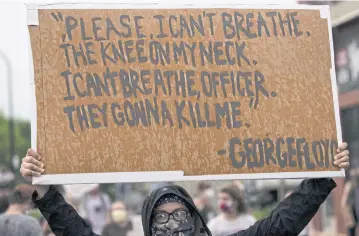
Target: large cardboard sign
{"x":167,"y":92}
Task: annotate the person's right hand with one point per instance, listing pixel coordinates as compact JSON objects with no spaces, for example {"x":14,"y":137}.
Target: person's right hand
{"x":31,"y":165}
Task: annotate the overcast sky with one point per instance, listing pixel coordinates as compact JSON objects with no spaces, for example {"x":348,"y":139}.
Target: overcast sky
{"x":14,"y":43}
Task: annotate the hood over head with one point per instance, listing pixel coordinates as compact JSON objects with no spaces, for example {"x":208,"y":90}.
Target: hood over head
{"x":151,"y":201}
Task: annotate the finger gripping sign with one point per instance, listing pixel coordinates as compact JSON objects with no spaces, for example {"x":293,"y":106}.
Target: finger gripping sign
{"x":185,"y":92}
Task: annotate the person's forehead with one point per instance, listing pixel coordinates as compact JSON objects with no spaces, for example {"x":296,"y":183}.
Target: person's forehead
{"x":170,"y":207}
{"x":224,"y":195}
{"x":118,"y":205}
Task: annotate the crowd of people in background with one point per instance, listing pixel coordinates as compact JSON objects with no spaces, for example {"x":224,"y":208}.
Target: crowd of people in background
{"x":224,"y":211}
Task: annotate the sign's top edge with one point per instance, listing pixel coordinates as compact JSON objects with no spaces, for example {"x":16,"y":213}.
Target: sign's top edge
{"x":163,"y":5}
{"x":33,"y":18}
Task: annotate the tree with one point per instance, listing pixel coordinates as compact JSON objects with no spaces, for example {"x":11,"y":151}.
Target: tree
{"x":22,"y":135}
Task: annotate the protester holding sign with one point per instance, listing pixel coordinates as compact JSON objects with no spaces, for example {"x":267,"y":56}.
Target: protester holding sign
{"x":170,"y":210}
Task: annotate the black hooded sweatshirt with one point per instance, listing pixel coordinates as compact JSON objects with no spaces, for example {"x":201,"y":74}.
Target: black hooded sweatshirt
{"x":288,"y":219}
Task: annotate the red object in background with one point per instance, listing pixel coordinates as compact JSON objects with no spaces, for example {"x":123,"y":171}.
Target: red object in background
{"x":341,"y":58}
{"x":224,"y":207}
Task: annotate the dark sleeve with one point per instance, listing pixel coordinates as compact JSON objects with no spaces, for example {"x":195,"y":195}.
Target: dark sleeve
{"x":61,"y":216}
{"x":293,"y":214}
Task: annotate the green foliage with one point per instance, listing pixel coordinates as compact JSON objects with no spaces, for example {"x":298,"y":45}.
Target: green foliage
{"x":35,"y":213}
{"x":264,"y":212}
{"x":22,"y":130}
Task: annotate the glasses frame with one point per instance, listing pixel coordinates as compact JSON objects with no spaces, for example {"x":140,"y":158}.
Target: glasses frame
{"x":169,"y":215}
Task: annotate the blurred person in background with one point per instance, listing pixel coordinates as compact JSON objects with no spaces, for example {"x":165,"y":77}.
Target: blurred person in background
{"x":240,"y":185}
{"x":121,"y":224}
{"x":350,"y":202}
{"x":170,"y":210}
{"x":204,"y":200}
{"x":15,"y":222}
{"x":97,"y":206}
{"x":233,"y":215}
{"x":4,"y":201}
{"x":75,"y":195}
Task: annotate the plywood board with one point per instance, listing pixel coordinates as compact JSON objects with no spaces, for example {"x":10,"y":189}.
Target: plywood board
{"x":207,"y":91}
{"x":36,"y":54}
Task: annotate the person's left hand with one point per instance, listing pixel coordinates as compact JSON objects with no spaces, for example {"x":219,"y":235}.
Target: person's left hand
{"x":341,"y":160}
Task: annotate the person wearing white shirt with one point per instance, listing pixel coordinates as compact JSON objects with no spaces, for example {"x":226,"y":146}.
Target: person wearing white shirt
{"x":233,"y":215}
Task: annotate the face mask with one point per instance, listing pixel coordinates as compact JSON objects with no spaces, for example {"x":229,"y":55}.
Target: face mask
{"x":226,"y":207}
{"x":174,"y":228}
{"x":119,"y":215}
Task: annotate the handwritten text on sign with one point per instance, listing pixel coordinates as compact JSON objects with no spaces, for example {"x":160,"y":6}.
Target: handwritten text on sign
{"x":186,"y":72}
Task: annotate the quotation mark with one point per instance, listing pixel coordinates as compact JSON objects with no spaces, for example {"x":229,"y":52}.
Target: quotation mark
{"x":58,"y":17}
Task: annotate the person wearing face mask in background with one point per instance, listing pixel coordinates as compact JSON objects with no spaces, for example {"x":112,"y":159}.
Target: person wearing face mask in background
{"x":15,"y":222}
{"x":120,"y":224}
{"x":233,"y":215}
{"x":170,"y":210}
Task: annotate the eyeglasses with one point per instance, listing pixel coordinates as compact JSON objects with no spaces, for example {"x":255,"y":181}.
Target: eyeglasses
{"x":163,"y":217}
